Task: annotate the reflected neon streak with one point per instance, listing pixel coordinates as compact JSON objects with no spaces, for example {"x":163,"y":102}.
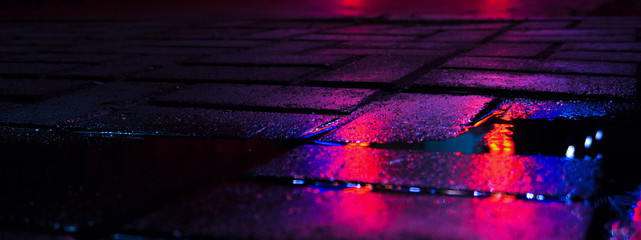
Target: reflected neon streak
{"x":500,"y":140}
{"x":497,"y":170}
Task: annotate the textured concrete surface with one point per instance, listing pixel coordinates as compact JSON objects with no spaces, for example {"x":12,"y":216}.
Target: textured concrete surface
{"x":392,"y":126}
{"x":411,"y":117}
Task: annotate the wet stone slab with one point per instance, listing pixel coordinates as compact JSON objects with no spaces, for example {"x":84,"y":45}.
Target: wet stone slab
{"x":363,"y":29}
{"x":375,"y":69}
{"x":530,"y":82}
{"x":353,"y":37}
{"x":269,"y":59}
{"x":198,"y":51}
{"x":599,"y":56}
{"x":550,"y":176}
{"x":460,"y":36}
{"x":551,"y":66}
{"x":388,"y":52}
{"x":208,"y":43}
{"x":543,"y":25}
{"x":278,"y":34}
{"x":410,"y":117}
{"x":508,"y":50}
{"x":83,"y":104}
{"x":572,"y":32}
{"x":623,"y":46}
{"x":207,"y":122}
{"x":121,"y":68}
{"x":64,"y":58}
{"x":566,"y":38}
{"x":285,"y":97}
{"x":34,"y":69}
{"x":285,"y":47}
{"x":226,"y":74}
{"x":282,"y":212}
{"x":37,"y":89}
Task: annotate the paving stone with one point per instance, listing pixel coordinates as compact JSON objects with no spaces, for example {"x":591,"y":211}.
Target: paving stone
{"x":349,"y":37}
{"x":406,"y":45}
{"x":202,"y":33}
{"x":95,"y":46}
{"x":531,"y":82}
{"x":572,"y":32}
{"x":362,"y":29}
{"x":516,"y":174}
{"x":407,"y":31}
{"x":460,"y":36}
{"x":543,"y":25}
{"x":296,"y":24}
{"x":208,"y":43}
{"x":33,"y":69}
{"x":174,"y":50}
{"x":81,"y":104}
{"x":390,"y":52}
{"x":375,"y":69}
{"x":63,"y":58}
{"x":603,"y":46}
{"x":471,"y":26}
{"x":276,"y":212}
{"x":541,"y":109}
{"x":411,"y":117}
{"x":130,"y":32}
{"x":278,"y":34}
{"x":599,"y":56}
{"x":21,"y":49}
{"x":435,"y":45}
{"x":610,"y":23}
{"x":227,"y":74}
{"x":49,"y":34}
{"x":285,"y":97}
{"x":226,"y":23}
{"x":459,"y":26}
{"x":285,"y":47}
{"x":122,"y":68}
{"x":508,"y":50}
{"x":565,"y":38}
{"x":370,"y":44}
{"x":40,"y":42}
{"x":36,"y":89}
{"x":552,"y":66}
{"x":208,"y":122}
{"x":269,"y":59}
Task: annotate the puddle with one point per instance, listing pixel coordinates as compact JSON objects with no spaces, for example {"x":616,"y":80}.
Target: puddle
{"x":496,"y":149}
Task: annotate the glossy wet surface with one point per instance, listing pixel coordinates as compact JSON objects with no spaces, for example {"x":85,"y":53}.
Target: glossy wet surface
{"x":369,"y":127}
{"x":134,"y":185}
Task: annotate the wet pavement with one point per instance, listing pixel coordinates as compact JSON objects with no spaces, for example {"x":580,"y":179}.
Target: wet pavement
{"x":344,"y":120}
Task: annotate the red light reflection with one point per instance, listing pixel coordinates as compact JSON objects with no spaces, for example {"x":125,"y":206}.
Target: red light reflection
{"x":500,"y":140}
{"x":496,"y":8}
{"x":503,"y":211}
{"x":350,"y":7}
{"x":356,"y":161}
{"x":362,"y":210}
{"x":498,"y":170}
